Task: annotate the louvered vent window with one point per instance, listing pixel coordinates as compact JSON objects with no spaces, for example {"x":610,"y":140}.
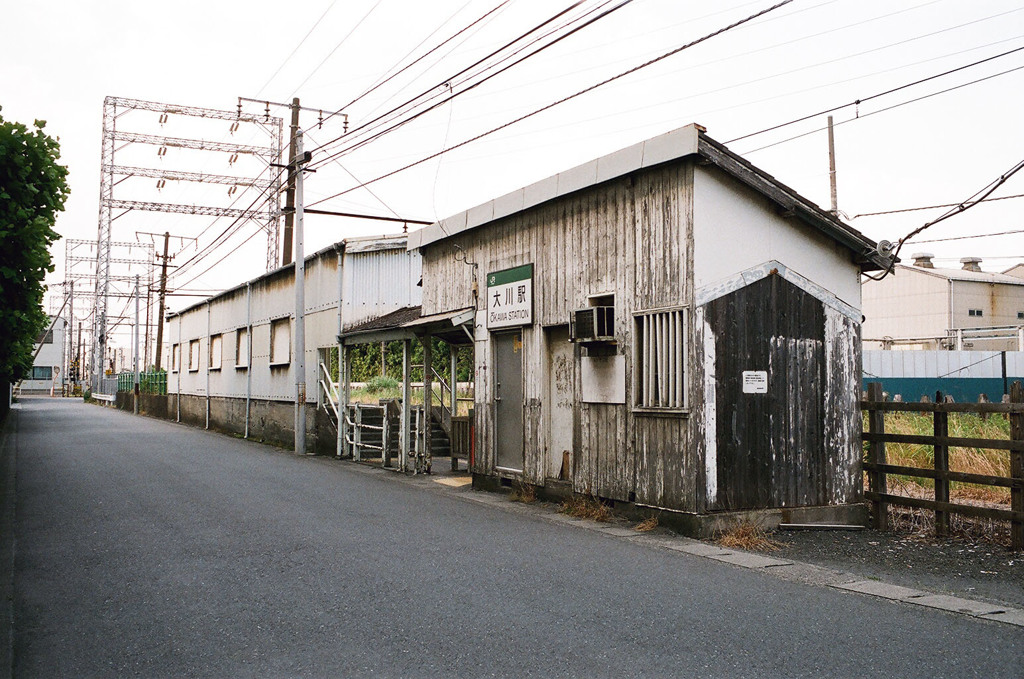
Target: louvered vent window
{"x":659,"y":366}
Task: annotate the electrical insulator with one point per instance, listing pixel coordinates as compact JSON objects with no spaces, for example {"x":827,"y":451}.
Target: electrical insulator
{"x":161,"y":152}
{"x":234,"y":128}
{"x":163,"y":119}
{"x":233,"y":190}
{"x":160,"y":184}
{"x":233,"y":159}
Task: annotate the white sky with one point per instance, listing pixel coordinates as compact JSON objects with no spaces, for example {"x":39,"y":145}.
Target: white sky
{"x":811,"y":55}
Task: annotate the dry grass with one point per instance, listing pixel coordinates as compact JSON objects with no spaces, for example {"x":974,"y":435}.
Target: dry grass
{"x":523,"y":492}
{"x":647,"y":525}
{"x":972,"y":460}
{"x":586,"y":507}
{"x":750,"y":536}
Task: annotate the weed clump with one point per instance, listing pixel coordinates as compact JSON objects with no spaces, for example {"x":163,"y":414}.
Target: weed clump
{"x":647,"y":525}
{"x":748,"y":535}
{"x":523,"y":492}
{"x":586,"y":507}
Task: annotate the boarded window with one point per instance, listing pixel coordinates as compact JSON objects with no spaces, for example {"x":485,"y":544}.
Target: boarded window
{"x":42,"y":372}
{"x":658,"y":364}
{"x":216,"y":351}
{"x":175,"y":358}
{"x":242,"y":348}
{"x":193,"y":355}
{"x":280,"y":341}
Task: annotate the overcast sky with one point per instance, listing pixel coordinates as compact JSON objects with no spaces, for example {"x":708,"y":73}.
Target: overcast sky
{"x":809,"y":56}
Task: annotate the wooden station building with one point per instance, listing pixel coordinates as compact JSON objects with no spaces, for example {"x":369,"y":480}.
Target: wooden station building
{"x":667,"y":325}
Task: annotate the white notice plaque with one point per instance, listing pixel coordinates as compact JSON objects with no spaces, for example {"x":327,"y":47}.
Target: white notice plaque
{"x":755,"y":381}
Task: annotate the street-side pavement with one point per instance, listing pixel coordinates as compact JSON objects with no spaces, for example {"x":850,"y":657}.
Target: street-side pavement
{"x":144,"y":548}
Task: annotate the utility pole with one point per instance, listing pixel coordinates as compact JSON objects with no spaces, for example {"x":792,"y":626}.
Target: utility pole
{"x":163,"y":295}
{"x":290,"y":189}
{"x":299,"y":159}
{"x":135,"y":358}
{"x":832,"y":166}
{"x":70,"y":337}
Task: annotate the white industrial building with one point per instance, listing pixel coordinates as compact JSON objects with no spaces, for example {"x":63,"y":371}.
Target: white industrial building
{"x":921,"y":306}
{"x":48,"y":365}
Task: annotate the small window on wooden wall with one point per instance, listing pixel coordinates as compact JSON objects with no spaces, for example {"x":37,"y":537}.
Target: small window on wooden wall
{"x":659,"y":359}
{"x":280,"y":341}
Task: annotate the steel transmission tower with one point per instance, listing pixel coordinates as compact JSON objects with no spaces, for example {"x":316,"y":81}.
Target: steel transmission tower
{"x":264,"y":211}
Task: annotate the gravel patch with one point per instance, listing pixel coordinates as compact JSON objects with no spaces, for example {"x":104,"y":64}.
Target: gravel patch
{"x":971,"y":570}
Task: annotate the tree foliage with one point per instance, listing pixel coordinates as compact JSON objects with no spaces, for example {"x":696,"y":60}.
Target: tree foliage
{"x":33,"y":188}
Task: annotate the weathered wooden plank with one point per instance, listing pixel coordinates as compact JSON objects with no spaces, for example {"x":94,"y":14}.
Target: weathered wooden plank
{"x":951,"y":441}
{"x":962,"y":477}
{"x":915,"y":407}
{"x":955,"y":508}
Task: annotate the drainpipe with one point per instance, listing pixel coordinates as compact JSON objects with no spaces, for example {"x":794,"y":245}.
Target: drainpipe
{"x":248,"y":354}
{"x":177,"y":401}
{"x":949,"y":323}
{"x":208,"y":359}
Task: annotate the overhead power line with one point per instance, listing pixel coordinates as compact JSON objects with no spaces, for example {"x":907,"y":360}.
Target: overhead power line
{"x":565,"y":99}
{"x":862,"y":100}
{"x":978,"y":197}
{"x":465,"y":70}
{"x":493,"y":74}
{"x":930,"y":207}
{"x":301,"y":43}
{"x":888,"y":108}
{"x":388,"y":78}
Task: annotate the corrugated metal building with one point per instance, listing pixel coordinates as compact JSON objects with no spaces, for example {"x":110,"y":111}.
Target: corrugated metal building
{"x":666,"y":325}
{"x":924,"y":307}
{"x":232,"y":357}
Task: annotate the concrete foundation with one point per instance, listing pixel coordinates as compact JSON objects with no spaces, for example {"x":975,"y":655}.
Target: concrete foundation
{"x":271,"y":422}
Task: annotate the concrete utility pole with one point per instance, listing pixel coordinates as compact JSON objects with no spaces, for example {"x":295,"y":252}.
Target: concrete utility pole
{"x":70,"y":338}
{"x":163,"y":296}
{"x":299,"y":158}
{"x":135,"y":358}
{"x":832,"y":166}
{"x":290,"y":189}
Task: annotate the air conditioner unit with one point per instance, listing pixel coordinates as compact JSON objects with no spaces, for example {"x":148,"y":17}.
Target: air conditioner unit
{"x":593,"y":324}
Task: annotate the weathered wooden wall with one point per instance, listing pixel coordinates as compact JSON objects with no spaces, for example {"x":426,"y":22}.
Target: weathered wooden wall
{"x":790,"y":447}
{"x":627,"y":237}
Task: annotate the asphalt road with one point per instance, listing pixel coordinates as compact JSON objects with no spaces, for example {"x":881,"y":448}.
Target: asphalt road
{"x":148,"y":549}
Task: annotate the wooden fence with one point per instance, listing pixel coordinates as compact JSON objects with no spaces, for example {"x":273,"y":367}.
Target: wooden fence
{"x":878,"y":470}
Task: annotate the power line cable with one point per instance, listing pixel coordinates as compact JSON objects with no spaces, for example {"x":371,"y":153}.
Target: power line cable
{"x":930,"y":207}
{"x":857,"y":102}
{"x":959,"y":208}
{"x":301,"y":42}
{"x":456,"y":75}
{"x":494,"y":74}
{"x":384,"y":80}
{"x":337,"y":47}
{"x":571,"y":96}
{"x":980,"y":235}
{"x":860,"y":116}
